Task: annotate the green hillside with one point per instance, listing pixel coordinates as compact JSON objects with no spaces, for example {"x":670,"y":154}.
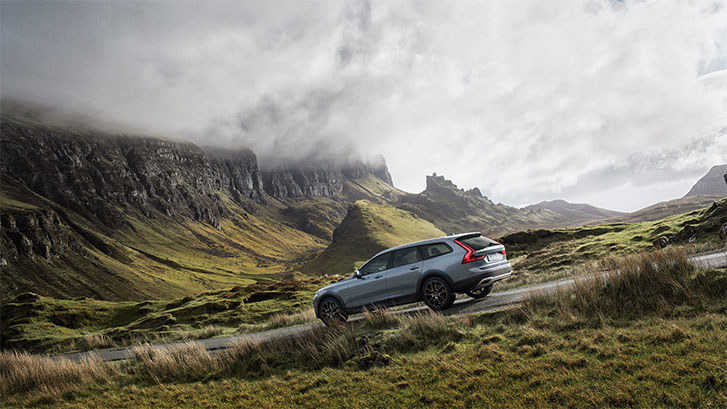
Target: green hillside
{"x":367,"y":229}
{"x":149,"y":257}
{"x":541,"y":255}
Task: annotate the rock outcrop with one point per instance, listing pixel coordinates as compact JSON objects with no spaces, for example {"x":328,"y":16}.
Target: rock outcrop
{"x":318,"y":179}
{"x":33,"y":233}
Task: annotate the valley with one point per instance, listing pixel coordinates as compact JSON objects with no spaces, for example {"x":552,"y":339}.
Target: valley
{"x":138,"y":240}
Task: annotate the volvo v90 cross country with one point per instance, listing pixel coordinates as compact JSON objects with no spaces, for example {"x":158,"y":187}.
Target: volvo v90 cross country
{"x":433,"y":271}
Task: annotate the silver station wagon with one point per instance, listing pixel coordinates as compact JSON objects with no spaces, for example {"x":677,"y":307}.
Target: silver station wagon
{"x":433,"y":271}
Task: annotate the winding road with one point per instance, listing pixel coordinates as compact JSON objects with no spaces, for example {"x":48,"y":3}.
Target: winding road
{"x":494,"y":301}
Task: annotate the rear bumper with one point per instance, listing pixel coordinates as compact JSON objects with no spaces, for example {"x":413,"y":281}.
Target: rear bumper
{"x":482,"y":277}
{"x":490,"y":280}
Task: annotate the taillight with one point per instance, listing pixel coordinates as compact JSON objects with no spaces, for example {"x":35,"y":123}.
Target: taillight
{"x":503,"y":252}
{"x":470,"y":253}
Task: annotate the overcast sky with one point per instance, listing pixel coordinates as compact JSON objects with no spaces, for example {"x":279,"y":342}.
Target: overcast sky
{"x":618,"y":104}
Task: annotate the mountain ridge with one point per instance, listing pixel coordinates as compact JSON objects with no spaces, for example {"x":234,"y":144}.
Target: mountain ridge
{"x":714,"y":182}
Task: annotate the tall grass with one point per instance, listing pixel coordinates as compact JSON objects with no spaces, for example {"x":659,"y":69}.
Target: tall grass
{"x":180,"y":362}
{"x":285,"y":320}
{"x":21,"y":372}
{"x":646,"y":283}
{"x":96,"y":341}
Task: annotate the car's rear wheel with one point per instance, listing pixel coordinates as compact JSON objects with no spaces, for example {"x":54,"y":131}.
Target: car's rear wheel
{"x":331,"y":312}
{"x":437,"y":294}
{"x":480,"y":292}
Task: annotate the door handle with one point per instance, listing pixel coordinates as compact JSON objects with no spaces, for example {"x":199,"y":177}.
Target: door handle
{"x":414,"y":268}
{"x":378,"y":276}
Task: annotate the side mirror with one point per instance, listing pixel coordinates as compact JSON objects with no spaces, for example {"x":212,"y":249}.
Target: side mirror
{"x":357,"y":274}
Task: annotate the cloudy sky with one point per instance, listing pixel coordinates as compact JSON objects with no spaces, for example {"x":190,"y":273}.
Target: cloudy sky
{"x":618,"y":104}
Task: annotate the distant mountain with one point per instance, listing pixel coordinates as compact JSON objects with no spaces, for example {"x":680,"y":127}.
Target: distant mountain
{"x":713,"y":183}
{"x":575,"y":212}
{"x":452,"y":210}
{"x":668,"y":208}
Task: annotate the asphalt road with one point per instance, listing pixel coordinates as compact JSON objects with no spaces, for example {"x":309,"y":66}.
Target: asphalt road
{"x":494,"y":301}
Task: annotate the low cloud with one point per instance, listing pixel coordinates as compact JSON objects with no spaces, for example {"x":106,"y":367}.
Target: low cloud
{"x":528,"y":101}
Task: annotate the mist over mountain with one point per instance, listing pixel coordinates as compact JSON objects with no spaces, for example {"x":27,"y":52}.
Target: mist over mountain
{"x":527,"y":102}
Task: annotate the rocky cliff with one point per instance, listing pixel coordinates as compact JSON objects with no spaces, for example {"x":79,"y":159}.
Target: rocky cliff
{"x":102,"y":177}
{"x":321,"y":179}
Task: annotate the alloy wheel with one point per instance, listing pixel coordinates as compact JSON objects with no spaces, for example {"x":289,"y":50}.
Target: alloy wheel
{"x":435,"y":293}
{"x":331,"y":311}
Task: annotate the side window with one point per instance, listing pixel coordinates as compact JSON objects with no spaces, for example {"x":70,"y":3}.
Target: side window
{"x":377,"y":264}
{"x":406,"y":256}
{"x":434,"y":250}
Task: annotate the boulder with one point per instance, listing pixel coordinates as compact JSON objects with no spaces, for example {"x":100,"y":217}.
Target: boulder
{"x":661,"y":242}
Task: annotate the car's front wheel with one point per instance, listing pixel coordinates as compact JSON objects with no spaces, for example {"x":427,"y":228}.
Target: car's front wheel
{"x":331,"y":312}
{"x":480,"y":292}
{"x":437,"y":294}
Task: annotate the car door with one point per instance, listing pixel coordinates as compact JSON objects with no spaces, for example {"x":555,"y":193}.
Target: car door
{"x":370,"y":288}
{"x":401,"y":279}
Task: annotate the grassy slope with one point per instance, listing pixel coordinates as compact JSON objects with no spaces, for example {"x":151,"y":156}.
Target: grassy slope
{"x":367,"y":229}
{"x":585,"y":350}
{"x":668,"y":208}
{"x":155,"y":257}
{"x":543,"y":255}
{"x":45,"y":324}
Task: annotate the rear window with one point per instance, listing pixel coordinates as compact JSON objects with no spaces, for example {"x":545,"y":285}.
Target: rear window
{"x":435,"y":249}
{"x":477,"y":242}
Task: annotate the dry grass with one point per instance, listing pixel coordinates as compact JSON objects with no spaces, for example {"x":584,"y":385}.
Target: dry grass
{"x":636,"y":285}
{"x":377,"y":318}
{"x":208,"y":331}
{"x":286,"y":320}
{"x":21,"y":372}
{"x":179,"y":362}
{"x":96,"y":341}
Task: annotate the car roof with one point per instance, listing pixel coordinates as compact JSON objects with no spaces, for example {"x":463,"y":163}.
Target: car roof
{"x":452,"y":236}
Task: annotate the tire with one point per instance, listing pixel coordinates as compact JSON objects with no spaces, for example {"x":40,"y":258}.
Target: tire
{"x":331,"y":312}
{"x":437,"y":294}
{"x":481,"y":293}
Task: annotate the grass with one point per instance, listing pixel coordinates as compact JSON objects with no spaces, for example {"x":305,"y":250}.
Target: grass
{"x":44,"y":324}
{"x":367,"y":229}
{"x":150,"y":256}
{"x":651,"y":336}
{"x":544,"y":255}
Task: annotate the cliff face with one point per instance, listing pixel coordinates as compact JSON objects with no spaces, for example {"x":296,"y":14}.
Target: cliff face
{"x":321,"y":179}
{"x":101,"y":177}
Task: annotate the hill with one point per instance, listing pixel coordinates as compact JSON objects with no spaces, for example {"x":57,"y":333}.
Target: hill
{"x":665,"y":209}
{"x":455,"y":210}
{"x":367,"y":229}
{"x":713,"y":183}
{"x":543,"y":254}
{"x":575,"y":212}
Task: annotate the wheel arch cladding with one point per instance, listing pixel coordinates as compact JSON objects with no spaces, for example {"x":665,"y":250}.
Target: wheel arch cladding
{"x":432,"y":274}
